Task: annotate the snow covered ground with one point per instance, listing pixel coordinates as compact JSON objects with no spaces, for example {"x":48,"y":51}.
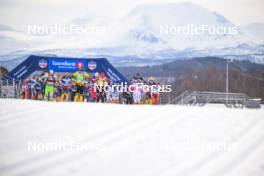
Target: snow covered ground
{"x":42,"y":138}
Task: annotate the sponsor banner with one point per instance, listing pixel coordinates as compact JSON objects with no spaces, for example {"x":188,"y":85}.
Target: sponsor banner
{"x":66,"y":65}
{"x":20,"y":72}
{"x":39,"y":63}
{"x":43,"y":63}
{"x":92,"y":65}
{"x":111,"y":74}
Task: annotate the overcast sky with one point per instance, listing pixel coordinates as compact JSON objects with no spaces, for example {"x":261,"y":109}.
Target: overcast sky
{"x":18,"y":14}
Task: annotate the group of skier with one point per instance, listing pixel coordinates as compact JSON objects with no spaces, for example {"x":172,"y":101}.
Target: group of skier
{"x":80,"y":87}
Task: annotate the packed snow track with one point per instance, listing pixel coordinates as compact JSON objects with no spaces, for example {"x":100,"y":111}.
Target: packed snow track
{"x":46,"y":138}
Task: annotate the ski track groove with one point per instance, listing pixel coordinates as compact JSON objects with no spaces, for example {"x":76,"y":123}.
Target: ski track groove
{"x":250,"y":150}
{"x":22,"y":115}
{"x":215,"y":155}
{"x":102,"y":134}
{"x":65,"y":158}
{"x":138,"y":125}
{"x":40,"y":108}
{"x":209,"y":158}
{"x":22,"y":102}
{"x":123,"y":136}
{"x":160,"y":170}
{"x":5,"y":111}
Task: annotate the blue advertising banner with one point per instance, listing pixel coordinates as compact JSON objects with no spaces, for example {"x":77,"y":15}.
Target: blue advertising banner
{"x":66,"y":65}
{"x":60,"y":64}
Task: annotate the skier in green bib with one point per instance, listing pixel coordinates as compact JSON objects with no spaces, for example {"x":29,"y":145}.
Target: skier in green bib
{"x":49,"y":86}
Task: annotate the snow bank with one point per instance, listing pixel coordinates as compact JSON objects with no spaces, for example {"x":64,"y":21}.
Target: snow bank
{"x":43,"y":138}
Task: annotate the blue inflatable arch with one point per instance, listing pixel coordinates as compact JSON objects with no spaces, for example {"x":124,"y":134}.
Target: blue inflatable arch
{"x":59,"y":64}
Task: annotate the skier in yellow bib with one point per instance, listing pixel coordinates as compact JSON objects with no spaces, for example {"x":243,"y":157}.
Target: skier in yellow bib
{"x":79,"y":83}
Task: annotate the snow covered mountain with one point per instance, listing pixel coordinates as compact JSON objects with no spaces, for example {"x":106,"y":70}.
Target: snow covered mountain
{"x":148,"y":31}
{"x":255,"y":30}
{"x":158,"y":24}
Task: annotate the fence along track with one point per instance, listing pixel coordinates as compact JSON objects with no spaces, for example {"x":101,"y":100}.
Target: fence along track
{"x":9,"y":87}
{"x":237,"y":100}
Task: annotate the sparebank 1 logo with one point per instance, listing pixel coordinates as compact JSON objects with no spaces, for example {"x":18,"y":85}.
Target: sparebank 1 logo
{"x":43,"y":63}
{"x":80,"y":65}
{"x":92,"y":65}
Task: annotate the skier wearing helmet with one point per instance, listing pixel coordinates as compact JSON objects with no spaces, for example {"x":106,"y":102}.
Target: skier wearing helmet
{"x":102,"y":81}
{"x":137,"y":78}
{"x":79,"y":78}
{"x":66,"y":83}
{"x":96,"y":74}
{"x":49,"y":85}
{"x":36,"y":87}
{"x":25,"y":90}
{"x":154,"y":92}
